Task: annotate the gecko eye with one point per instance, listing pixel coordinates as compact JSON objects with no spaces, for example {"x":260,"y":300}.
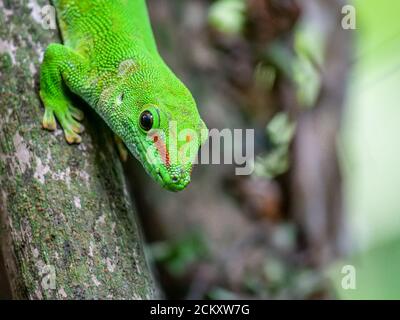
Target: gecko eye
{"x":146,"y":120}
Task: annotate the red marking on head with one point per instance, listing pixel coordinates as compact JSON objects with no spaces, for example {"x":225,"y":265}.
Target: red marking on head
{"x":162,"y":150}
{"x":167,"y":161}
{"x":188,"y":138}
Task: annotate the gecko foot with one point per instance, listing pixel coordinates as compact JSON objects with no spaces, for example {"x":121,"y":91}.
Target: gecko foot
{"x":72,"y":128}
{"x":122,"y":150}
{"x":76,"y":113}
{"x":68,"y":119}
{"x":49,"y":121}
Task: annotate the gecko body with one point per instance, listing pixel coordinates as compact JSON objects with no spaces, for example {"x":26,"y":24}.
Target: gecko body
{"x":110,"y":59}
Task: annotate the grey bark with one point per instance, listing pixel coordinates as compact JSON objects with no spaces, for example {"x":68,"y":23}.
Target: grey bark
{"x":68,"y":228}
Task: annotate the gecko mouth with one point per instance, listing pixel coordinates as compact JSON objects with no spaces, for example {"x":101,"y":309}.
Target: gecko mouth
{"x":173,"y":179}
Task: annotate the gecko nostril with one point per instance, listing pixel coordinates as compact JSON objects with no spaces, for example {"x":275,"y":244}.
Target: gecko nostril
{"x":174,"y":178}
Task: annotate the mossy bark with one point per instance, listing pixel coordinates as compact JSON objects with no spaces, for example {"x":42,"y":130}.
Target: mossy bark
{"x":68,"y":228}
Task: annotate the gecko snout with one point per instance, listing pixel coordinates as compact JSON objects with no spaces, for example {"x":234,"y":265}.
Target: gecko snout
{"x":180,"y":175}
{"x":175,"y":178}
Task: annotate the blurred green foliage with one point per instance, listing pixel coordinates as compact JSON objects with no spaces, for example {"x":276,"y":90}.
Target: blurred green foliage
{"x":280,"y":131}
{"x":228,"y":16}
{"x":309,"y":50}
{"x":370,"y":152}
{"x":179,"y":254}
{"x":302,"y":66}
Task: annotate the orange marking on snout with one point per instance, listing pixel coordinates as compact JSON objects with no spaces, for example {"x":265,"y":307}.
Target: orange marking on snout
{"x":162,"y":150}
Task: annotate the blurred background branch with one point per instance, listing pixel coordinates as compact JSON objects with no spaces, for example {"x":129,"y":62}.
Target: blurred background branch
{"x":280,"y":67}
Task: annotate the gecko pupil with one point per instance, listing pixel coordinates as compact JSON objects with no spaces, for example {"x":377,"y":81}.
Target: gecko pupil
{"x":146,"y":120}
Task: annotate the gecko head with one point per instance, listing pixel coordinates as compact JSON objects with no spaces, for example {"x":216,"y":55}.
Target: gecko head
{"x":170,"y":144}
{"x":165,"y":134}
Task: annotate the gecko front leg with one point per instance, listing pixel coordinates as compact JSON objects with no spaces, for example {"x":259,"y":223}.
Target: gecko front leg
{"x":62,"y":69}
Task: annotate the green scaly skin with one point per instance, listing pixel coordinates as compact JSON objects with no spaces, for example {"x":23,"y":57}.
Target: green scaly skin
{"x":110,"y":59}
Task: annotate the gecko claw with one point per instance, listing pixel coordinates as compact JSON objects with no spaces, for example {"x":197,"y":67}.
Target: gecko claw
{"x":72,"y":137}
{"x":49,"y":121}
{"x":76,"y":113}
{"x":122,"y":150}
{"x":76,"y":126}
{"x":72,"y":129}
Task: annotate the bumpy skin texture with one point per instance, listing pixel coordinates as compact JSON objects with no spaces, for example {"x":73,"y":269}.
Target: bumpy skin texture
{"x":110,"y":59}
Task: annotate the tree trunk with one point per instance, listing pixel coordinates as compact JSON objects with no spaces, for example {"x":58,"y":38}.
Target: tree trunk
{"x":68,"y":228}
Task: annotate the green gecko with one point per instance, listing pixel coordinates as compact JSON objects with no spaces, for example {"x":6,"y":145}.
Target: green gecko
{"x":110,"y":59}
